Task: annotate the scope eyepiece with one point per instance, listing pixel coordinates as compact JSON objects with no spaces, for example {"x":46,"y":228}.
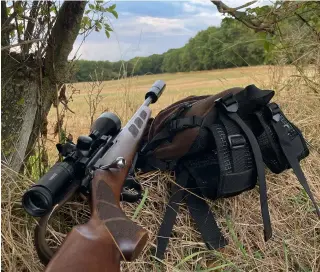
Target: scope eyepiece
{"x":37,"y":201}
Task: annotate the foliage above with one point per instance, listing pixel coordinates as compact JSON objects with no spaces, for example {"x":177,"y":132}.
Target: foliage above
{"x":25,"y":23}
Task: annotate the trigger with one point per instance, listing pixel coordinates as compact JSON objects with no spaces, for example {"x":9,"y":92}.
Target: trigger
{"x":131,"y":190}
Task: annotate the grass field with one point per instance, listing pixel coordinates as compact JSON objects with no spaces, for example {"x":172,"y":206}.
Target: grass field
{"x":295,"y":245}
{"x":124,"y":96}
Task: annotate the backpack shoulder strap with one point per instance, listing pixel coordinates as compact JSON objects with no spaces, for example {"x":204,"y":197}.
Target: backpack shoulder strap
{"x":170,"y":215}
{"x":199,"y":210}
{"x":205,"y":221}
{"x":229,"y":105}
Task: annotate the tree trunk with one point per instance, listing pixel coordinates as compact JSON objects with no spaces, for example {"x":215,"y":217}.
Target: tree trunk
{"x":23,"y":108}
{"x":28,"y":85}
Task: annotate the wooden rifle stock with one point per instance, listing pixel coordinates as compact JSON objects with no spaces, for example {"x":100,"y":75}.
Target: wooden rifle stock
{"x":109,"y":236}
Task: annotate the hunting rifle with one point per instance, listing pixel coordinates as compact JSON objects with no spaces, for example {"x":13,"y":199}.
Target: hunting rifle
{"x":96,"y":166}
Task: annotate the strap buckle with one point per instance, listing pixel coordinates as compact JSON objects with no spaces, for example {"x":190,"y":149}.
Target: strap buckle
{"x":236,"y":141}
{"x":273,"y":112}
{"x":228,"y":102}
{"x":182,"y":123}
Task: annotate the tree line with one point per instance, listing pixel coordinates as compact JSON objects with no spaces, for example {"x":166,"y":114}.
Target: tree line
{"x":230,"y":45}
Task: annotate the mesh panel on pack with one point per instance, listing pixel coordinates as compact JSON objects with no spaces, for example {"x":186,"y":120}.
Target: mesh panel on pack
{"x":269,"y":156}
{"x":205,"y":169}
{"x":201,"y":143}
{"x":232,"y":129}
{"x":271,"y":152}
{"x":225,"y":151}
{"x":273,"y":155}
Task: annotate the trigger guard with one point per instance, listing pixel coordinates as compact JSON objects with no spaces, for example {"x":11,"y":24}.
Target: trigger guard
{"x":132,"y":184}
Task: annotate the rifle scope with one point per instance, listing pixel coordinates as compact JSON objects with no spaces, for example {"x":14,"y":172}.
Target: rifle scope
{"x":41,"y":197}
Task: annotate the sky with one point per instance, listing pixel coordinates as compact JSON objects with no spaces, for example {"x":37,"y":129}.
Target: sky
{"x":150,"y":27}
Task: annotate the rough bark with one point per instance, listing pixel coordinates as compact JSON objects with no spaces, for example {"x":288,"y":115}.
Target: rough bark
{"x":4,"y":18}
{"x":18,"y":109}
{"x":28,"y":85}
{"x":63,"y":35}
{"x":60,"y":44}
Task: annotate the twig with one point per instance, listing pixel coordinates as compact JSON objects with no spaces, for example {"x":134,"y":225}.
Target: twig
{"x":58,"y":117}
{"x":17,"y":25}
{"x":307,"y":23}
{"x":31,"y":23}
{"x":246,"y":5}
{"x":92,"y":100}
{"x":27,"y":18}
{"x":7,"y":22}
{"x":66,"y":106}
{"x":21,"y":43}
{"x":242,"y":16}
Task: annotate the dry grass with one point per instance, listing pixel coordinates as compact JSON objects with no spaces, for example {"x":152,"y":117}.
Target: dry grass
{"x":295,"y":245}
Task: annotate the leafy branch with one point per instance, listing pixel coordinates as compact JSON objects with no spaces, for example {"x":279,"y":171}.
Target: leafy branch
{"x":95,"y":18}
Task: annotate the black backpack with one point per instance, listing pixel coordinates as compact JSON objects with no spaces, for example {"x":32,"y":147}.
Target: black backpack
{"x":217,"y":146}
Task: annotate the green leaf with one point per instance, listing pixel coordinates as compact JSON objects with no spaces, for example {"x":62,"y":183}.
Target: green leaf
{"x":235,"y":238}
{"x":53,"y":9}
{"x":20,"y":28}
{"x":190,"y":257}
{"x":266,"y":46}
{"x":215,"y":268}
{"x":98,"y":7}
{"x":285,"y":249}
{"x":115,"y":14}
{"x":113,"y":6}
{"x":87,"y":11}
{"x":85,"y":20}
{"x":98,"y":25}
{"x":21,"y":101}
{"x":19,"y":8}
{"x":12,"y":34}
{"x":145,"y":195}
{"x":91,"y":6}
{"x":107,"y":33}
{"x":257,"y":254}
{"x":107,"y":27}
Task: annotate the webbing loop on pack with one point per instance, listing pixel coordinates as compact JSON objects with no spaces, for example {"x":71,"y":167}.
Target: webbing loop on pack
{"x":183,"y":123}
{"x":229,"y":103}
{"x":273,"y":112}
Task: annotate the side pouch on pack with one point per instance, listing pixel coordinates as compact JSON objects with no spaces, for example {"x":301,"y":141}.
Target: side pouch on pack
{"x":271,"y":119}
{"x":282,"y":144}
